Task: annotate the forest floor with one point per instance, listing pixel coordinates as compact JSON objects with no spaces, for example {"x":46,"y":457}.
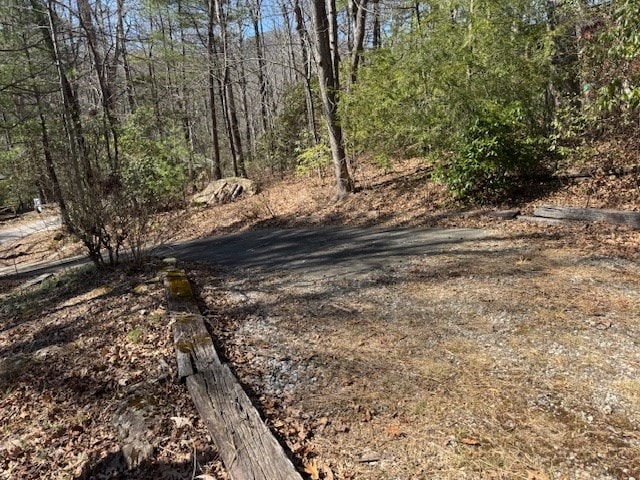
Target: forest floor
{"x":512,"y":358}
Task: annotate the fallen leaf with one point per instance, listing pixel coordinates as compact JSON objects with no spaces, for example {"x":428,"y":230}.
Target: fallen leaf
{"x":328,"y":474}
{"x":393,"y":430}
{"x":311,"y":468}
{"x":322,"y":423}
{"x":470,"y":441}
{"x":370,"y":457}
{"x":340,"y":426}
{"x":181,"y":422}
{"x":368,"y":415}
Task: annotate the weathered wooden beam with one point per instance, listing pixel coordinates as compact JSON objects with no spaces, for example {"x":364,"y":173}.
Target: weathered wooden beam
{"x":617,"y":217}
{"x":247,"y":447}
{"x":178,"y":292}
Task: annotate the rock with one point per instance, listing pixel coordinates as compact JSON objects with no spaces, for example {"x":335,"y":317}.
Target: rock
{"x":225,"y":191}
{"x":369,"y":457}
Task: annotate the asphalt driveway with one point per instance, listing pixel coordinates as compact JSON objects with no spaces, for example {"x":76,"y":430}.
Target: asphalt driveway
{"x":325,"y":251}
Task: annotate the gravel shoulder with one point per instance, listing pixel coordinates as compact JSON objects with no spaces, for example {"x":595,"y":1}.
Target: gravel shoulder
{"x":508,"y":358}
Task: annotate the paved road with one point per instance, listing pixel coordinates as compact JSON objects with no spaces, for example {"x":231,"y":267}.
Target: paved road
{"x":325,"y":251}
{"x":21,"y":231}
{"x":314,"y":253}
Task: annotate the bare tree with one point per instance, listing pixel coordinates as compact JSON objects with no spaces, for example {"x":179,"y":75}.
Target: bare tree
{"x":229,"y":98}
{"x":303,"y":36}
{"x":328,"y":64}
{"x":211,"y":81}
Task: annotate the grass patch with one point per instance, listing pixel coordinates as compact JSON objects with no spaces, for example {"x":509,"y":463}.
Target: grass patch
{"x":135,"y":335}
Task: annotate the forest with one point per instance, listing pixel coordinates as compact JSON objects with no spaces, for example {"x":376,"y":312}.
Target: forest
{"x":118,"y":110}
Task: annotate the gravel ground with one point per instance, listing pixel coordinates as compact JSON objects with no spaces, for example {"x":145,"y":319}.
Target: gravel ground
{"x":508,"y":359}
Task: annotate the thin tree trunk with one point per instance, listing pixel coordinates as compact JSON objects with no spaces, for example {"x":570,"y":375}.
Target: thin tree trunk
{"x":376,"y":40}
{"x":306,"y":63}
{"x":46,"y":148}
{"x":71,"y":110}
{"x":213,"y":115}
{"x":332,"y":31}
{"x":262,"y":79}
{"x":183,"y":96}
{"x":121,"y":52}
{"x":328,"y":63}
{"x":230,"y":104}
{"x":290,"y":45}
{"x":50,"y":166}
{"x":153,"y":81}
{"x":359,"y":22}
{"x":89,"y":228}
{"x":107,"y":100}
{"x":245,"y":101}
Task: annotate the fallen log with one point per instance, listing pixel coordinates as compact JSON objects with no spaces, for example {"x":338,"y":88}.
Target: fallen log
{"x":546,"y":221}
{"x":617,"y":217}
{"x":504,"y":214}
{"x":585,"y":173}
{"x":247,"y":447}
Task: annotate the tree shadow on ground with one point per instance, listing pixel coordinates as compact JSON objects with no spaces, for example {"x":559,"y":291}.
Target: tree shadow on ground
{"x":114,"y":467}
{"x":513,"y":305}
{"x":67,"y":365}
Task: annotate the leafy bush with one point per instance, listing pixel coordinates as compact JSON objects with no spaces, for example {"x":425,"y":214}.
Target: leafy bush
{"x":313,"y":159}
{"x":491,"y":155}
{"x":465,"y":87}
{"x":153,"y":169}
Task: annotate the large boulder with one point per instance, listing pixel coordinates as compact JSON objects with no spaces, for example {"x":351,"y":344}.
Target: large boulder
{"x":225,"y":190}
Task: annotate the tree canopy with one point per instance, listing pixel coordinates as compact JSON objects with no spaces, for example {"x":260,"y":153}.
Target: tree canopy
{"x":125,"y":106}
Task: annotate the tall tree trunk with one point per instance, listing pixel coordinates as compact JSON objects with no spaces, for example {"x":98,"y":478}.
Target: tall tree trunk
{"x":89,"y":226}
{"x":245,"y":101}
{"x":332,"y":31}
{"x":359,"y":22}
{"x":121,"y":53}
{"x":46,"y":148}
{"x":230,"y":103}
{"x":71,"y":109}
{"x":303,"y":35}
{"x":262,"y":78}
{"x":49,"y":164}
{"x":376,"y":40}
{"x":105,"y":83}
{"x":153,"y":81}
{"x":183,"y":96}
{"x":328,"y":63}
{"x":290,"y":45}
{"x":211,"y":77}
{"x":232,"y":113}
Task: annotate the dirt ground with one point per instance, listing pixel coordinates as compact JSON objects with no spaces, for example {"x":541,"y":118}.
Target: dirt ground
{"x":514,"y":358}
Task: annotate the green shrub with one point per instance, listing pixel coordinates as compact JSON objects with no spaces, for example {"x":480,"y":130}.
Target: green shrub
{"x":466,"y":87}
{"x":313,"y":160}
{"x":153,"y":168}
{"x":491,"y":156}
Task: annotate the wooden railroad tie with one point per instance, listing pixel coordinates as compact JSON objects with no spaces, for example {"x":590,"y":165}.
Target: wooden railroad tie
{"x":247,"y":447}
